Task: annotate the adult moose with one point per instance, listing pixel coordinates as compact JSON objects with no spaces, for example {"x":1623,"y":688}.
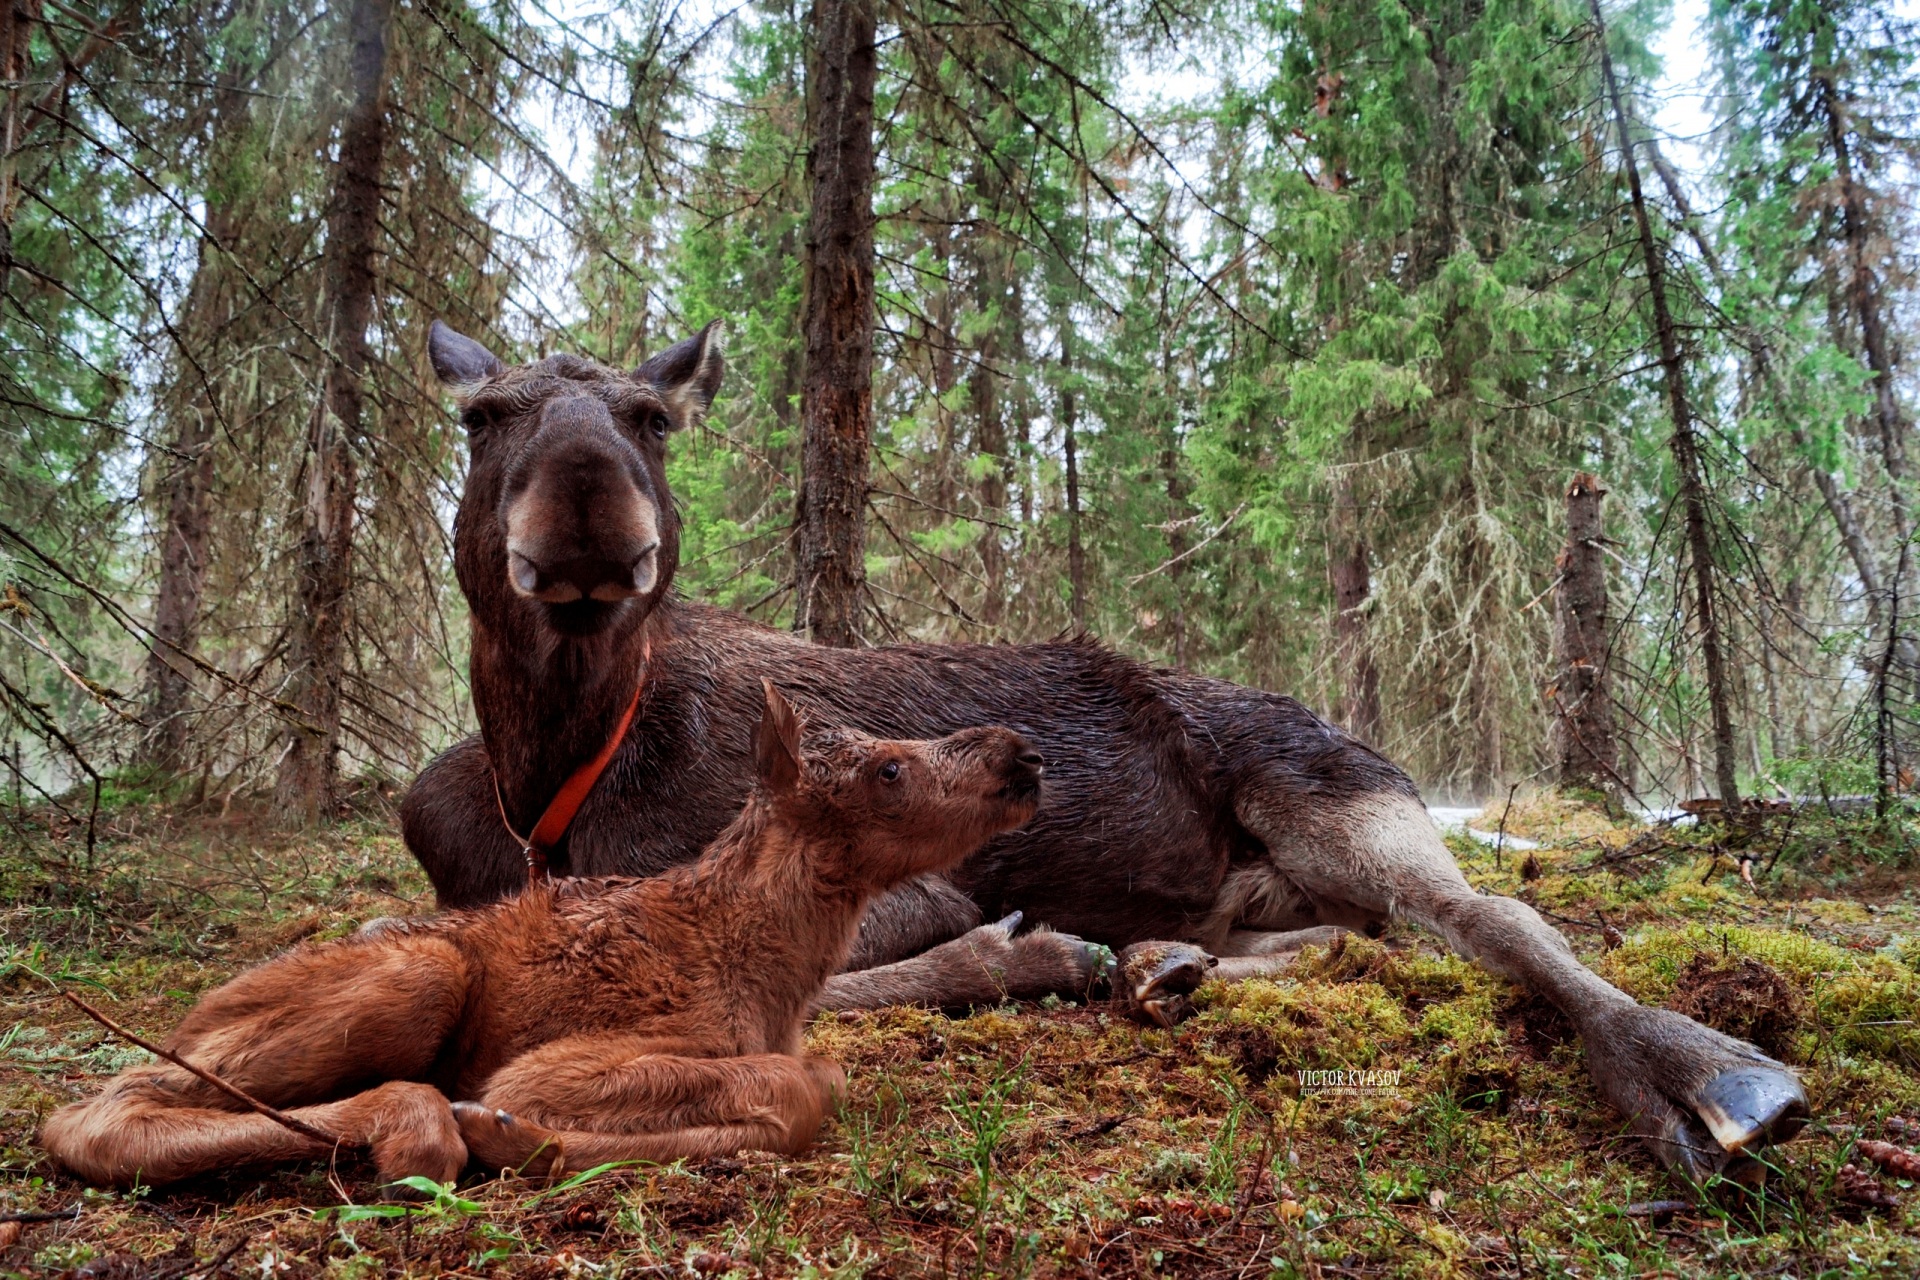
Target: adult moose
{"x":1180,"y":807}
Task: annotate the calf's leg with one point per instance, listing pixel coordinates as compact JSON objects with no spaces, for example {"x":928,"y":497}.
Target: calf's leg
{"x":588,"y":1100}
{"x":296,"y":1033}
{"x":148,"y":1129}
{"x":1702,"y":1101}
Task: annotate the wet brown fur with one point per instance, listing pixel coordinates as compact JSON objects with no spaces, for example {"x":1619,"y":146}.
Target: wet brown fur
{"x":584,"y":1020}
{"x":1181,"y":811}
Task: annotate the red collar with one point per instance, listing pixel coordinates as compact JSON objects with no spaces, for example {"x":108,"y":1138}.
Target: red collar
{"x":559,"y":812}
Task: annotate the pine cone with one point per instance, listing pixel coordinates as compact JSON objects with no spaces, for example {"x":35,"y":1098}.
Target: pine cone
{"x":1895,"y":1160}
{"x":1857,"y":1186}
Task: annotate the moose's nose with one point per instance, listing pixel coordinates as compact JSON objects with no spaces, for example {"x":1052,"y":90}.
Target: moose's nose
{"x":1031,"y":758}
{"x":592,"y":577}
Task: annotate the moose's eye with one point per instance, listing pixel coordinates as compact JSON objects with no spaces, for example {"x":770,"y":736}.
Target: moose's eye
{"x":890,"y":771}
{"x":658,"y":425}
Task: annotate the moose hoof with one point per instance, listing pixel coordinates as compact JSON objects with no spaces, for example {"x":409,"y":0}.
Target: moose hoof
{"x":1705,"y":1104}
{"x":1750,"y":1108}
{"x":1158,"y":979}
{"x":1035,"y":964}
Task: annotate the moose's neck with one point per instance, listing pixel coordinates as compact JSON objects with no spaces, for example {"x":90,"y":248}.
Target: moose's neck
{"x":548,"y":703}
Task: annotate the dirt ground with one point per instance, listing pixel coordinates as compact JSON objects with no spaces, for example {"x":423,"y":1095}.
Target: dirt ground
{"x":1059,"y":1139}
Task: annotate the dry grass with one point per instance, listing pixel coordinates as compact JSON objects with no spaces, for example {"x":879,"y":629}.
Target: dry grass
{"x":1054,"y":1140}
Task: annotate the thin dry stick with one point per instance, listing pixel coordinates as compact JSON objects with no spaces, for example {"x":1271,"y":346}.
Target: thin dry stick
{"x":1164,"y":565}
{"x":238,"y":1094}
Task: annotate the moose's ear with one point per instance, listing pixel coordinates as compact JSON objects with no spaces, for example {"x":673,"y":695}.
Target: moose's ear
{"x":776,"y":744}
{"x":458,"y":359}
{"x":687,"y":374}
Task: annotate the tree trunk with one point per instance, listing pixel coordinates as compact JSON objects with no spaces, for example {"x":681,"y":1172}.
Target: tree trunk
{"x":1069,"y":422}
{"x":1863,"y":294}
{"x":1178,"y":513}
{"x":16,"y":29}
{"x":309,"y":768}
{"x":184,"y":531}
{"x":1349,"y":565}
{"x":836,"y":398}
{"x":1839,"y":505}
{"x":20,"y":119}
{"x":990,"y":436}
{"x":188,"y":483}
{"x":945,"y":363}
{"x":1584,"y":750}
{"x":1684,"y":445}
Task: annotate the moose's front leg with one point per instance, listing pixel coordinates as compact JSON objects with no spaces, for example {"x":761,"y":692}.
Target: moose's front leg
{"x":1703,"y":1102}
{"x":984,"y":965}
{"x":905,"y":921}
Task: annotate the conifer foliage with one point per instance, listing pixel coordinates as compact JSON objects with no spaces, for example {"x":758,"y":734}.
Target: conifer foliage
{"x":1262,"y":339}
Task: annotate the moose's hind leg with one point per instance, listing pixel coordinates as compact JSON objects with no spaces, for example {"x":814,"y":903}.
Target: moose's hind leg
{"x":588,"y":1100}
{"x":1703,"y":1102}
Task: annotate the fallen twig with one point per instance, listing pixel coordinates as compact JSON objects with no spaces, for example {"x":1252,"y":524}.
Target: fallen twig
{"x":57,"y":1215}
{"x":212,"y":1266}
{"x":1661,"y":1211}
{"x":1500,"y":839}
{"x":238,"y":1094}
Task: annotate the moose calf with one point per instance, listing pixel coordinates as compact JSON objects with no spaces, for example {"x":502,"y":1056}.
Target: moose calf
{"x":582,"y":1022}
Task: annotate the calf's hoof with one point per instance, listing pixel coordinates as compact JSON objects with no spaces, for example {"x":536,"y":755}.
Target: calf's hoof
{"x":1704,"y":1103}
{"x":411,"y":1130}
{"x":1157,"y":981}
{"x":829,"y":1080}
{"x":501,"y":1141}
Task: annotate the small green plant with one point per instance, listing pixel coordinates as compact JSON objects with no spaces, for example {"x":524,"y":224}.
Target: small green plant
{"x":982,"y":1124}
{"x":441,"y":1202}
{"x":1224,"y":1150}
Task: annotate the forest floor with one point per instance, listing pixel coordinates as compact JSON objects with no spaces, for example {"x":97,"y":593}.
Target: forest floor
{"x":1060,"y":1139}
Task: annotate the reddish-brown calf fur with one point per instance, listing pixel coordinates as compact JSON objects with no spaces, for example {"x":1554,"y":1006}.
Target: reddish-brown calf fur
{"x":584,"y":1021}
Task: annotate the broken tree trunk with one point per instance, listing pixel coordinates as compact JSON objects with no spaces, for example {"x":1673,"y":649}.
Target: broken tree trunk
{"x":1584,"y":750}
{"x":1683,"y":443}
{"x":836,"y":396}
{"x":309,"y":768}
{"x":1349,"y":566}
{"x":988,"y":263}
{"x":1069,"y":423}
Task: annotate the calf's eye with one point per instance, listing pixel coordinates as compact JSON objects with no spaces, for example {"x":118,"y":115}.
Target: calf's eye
{"x":890,"y":772}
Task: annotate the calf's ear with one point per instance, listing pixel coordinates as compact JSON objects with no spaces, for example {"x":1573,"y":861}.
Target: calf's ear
{"x":687,"y":374}
{"x":458,"y":359}
{"x":776,"y":743}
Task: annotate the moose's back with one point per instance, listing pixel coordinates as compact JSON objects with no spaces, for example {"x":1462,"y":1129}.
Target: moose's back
{"x":1133,"y":838}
